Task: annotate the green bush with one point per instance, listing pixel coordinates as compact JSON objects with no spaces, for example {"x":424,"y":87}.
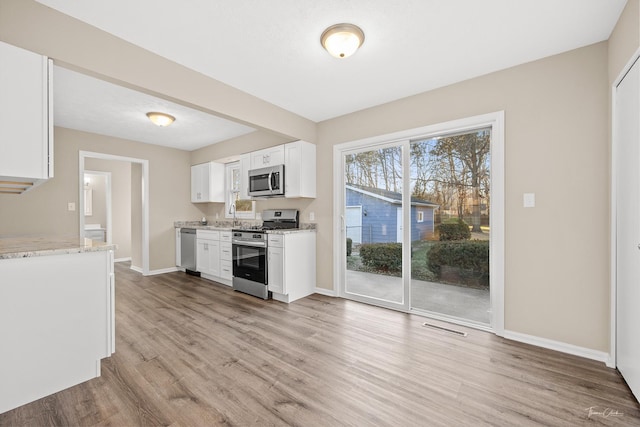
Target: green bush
{"x":382,"y":256}
{"x":466,"y":255}
{"x":349,"y":246}
{"x":454,"y":231}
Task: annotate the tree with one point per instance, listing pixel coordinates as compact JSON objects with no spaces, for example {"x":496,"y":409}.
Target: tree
{"x":465,"y":158}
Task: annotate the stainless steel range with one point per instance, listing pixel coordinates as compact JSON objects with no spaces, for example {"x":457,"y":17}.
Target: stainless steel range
{"x":250,"y":251}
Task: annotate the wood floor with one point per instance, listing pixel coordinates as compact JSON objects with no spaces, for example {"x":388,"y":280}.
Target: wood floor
{"x":191,"y":352}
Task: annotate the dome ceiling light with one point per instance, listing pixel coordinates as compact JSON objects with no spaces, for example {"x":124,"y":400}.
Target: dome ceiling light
{"x":342,"y":40}
{"x":160,"y":119}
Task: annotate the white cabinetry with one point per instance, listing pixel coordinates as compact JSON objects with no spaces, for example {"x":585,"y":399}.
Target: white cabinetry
{"x":245,"y":166}
{"x":214,"y":255}
{"x":207,"y":183}
{"x":291,"y":265}
{"x":26,"y":119}
{"x":57,"y":315}
{"x":300,"y":169}
{"x":208,"y":252}
{"x":268,"y":157}
{"x":275,"y":266}
{"x":226,"y":255}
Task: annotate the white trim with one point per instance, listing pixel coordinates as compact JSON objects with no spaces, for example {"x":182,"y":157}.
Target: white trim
{"x":326,"y":292}
{"x":562,"y":347}
{"x":145,"y":197}
{"x":159,"y":271}
{"x":122,"y":259}
{"x":497,"y":223}
{"x":494,"y":120}
{"x":614,"y":213}
{"x":136,"y":269}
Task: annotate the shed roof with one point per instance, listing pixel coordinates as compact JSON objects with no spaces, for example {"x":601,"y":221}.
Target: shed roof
{"x":389,"y":196}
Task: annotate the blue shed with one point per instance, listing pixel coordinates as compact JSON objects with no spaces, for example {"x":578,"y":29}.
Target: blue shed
{"x":374,"y":215}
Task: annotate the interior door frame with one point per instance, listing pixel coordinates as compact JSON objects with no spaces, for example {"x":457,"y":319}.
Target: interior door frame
{"x":611,"y":362}
{"x":82,"y":155}
{"x":495,"y":121}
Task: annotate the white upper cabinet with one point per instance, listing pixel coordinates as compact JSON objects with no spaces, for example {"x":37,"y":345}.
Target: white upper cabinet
{"x":272,"y":156}
{"x":207,"y":183}
{"x":300,"y":170}
{"x":26,"y":119}
{"x":245,"y":165}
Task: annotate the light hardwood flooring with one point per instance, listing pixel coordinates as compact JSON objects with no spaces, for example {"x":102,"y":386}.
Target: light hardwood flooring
{"x":191,"y":352}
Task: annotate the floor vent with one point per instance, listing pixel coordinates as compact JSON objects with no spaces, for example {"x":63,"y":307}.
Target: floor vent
{"x":442,"y":328}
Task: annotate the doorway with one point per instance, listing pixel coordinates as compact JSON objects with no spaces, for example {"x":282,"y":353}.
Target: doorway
{"x":140,"y":196}
{"x":414,"y":187}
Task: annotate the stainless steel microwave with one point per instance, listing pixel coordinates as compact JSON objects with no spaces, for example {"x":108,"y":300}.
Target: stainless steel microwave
{"x":267,"y":182}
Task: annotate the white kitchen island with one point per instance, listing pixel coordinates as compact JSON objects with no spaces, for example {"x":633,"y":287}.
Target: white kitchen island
{"x":57,"y":315}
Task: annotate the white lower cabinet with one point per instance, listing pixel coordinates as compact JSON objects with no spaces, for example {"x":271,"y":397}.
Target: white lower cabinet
{"x":58,"y":321}
{"x":291,"y":269}
{"x":208,"y":252}
{"x":226,"y":255}
{"x":213,"y":255}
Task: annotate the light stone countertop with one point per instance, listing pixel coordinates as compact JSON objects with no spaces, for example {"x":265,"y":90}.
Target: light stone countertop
{"x":198,"y":226}
{"x":227,"y":226}
{"x":292,"y":230}
{"x":38,"y":245}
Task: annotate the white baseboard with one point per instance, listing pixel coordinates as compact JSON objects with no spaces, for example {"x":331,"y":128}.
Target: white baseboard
{"x":136,"y":269}
{"x":162,"y":271}
{"x":327,"y":292}
{"x":122,"y":259}
{"x":575,"y":350}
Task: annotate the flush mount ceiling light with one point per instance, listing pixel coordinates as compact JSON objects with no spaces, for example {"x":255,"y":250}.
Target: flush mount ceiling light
{"x":342,"y":40}
{"x":160,"y":119}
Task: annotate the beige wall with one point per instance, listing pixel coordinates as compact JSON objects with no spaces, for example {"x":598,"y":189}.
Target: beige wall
{"x":120,"y":202}
{"x":44,"y":209}
{"x":625,"y":39}
{"x":556,"y":275}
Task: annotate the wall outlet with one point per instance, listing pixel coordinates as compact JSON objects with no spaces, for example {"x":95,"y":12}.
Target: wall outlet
{"x":312,"y":216}
{"x":217,"y":215}
{"x":71,"y":206}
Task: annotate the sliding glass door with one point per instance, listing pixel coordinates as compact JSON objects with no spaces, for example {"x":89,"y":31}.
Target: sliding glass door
{"x":450,"y":194}
{"x":415,"y":224}
{"x":373,"y":187}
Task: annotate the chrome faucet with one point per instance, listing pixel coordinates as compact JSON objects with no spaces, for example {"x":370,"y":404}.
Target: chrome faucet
{"x":232,"y":209}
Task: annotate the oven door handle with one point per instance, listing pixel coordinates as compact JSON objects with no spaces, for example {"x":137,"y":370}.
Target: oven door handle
{"x":251,"y":244}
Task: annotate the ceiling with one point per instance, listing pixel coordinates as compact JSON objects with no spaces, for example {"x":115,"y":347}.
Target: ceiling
{"x":272,"y":50}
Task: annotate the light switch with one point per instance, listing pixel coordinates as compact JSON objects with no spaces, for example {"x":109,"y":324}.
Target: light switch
{"x":312,"y":216}
{"x":529,"y":200}
{"x":71,"y":206}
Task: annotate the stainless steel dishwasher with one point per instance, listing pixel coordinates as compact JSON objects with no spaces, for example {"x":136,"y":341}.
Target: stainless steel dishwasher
{"x":188,"y":249}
